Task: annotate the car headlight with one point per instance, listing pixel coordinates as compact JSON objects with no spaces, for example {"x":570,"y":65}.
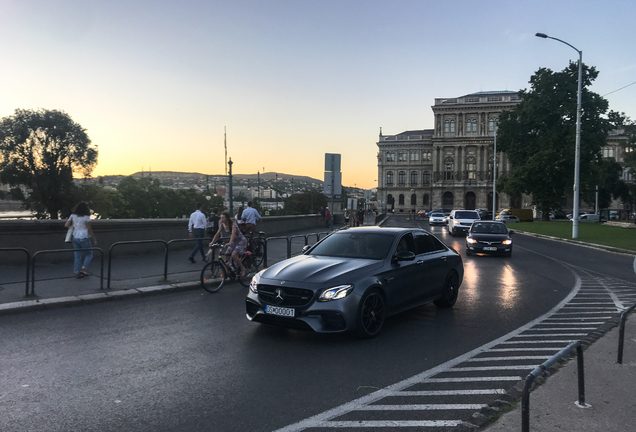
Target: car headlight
{"x":470,"y":240}
{"x":254,"y":283}
{"x":335,"y":293}
{"x":507,"y":242}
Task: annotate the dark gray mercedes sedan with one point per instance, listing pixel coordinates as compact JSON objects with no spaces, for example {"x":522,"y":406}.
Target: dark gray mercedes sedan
{"x":352,"y":280}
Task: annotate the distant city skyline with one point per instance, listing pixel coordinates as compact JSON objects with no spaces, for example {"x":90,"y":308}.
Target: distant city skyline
{"x":155,"y":83}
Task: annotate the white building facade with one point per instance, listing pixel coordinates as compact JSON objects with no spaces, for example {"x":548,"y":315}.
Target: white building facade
{"x":450,"y":166}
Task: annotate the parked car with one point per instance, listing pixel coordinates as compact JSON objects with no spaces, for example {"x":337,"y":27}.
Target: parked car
{"x":460,"y":221}
{"x":524,"y":215}
{"x":436,"y":218}
{"x":421,"y":213}
{"x":485,"y":214}
{"x":489,"y":237}
{"x":353,"y":279}
{"x":508,"y":219}
{"x":589,"y":218}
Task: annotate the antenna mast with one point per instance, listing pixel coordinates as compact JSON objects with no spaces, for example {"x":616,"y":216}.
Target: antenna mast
{"x":225,"y":144}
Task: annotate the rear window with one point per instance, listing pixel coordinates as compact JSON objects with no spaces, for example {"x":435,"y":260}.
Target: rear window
{"x":466,"y":215}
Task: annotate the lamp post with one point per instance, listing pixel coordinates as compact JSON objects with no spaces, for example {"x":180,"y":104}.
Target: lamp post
{"x":494,"y":177}
{"x":413,"y":202}
{"x":577,"y":155}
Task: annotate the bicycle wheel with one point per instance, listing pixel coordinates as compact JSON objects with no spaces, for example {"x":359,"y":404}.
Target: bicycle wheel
{"x":258,"y":251}
{"x":250,"y":270}
{"x":213,"y":276}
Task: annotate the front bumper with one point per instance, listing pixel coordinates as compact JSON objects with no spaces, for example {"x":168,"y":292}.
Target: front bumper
{"x":322,"y":317}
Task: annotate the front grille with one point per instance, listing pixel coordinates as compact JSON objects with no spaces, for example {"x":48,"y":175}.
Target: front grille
{"x":291,"y":297}
{"x":494,"y":243}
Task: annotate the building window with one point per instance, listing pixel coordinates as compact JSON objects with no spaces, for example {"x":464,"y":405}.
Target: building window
{"x":448,"y":168}
{"x":471,"y":100}
{"x":402,"y":177}
{"x":448,"y":200}
{"x":389,"y":178}
{"x":425,"y":200}
{"x":426,"y":177}
{"x":449,"y":126}
{"x":401,"y":199}
{"x":413,"y":177}
{"x":390,"y":156}
{"x":491,"y":125}
{"x":609,"y":152}
{"x":470,"y":168}
{"x":402,"y":156}
{"x":415,"y":156}
{"x":627,"y":175}
{"x":426,"y":155}
{"x":413,"y":199}
{"x":471,"y":125}
{"x":494,"y":98}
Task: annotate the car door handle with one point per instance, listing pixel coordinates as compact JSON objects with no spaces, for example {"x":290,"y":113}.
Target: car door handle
{"x":420,"y":262}
{"x":443,"y":258}
{"x":389,"y":279}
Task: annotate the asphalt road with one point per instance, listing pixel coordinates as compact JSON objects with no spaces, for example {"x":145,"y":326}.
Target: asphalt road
{"x":192,"y":361}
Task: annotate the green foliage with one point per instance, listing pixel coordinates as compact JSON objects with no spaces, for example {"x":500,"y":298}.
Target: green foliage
{"x":303,"y":203}
{"x":144,"y":198}
{"x":539,"y":134}
{"x":41,"y":149}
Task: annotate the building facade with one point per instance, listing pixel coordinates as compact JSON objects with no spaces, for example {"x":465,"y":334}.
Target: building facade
{"x":450,"y":166}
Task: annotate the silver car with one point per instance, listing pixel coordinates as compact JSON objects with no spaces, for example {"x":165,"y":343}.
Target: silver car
{"x":436,"y":218}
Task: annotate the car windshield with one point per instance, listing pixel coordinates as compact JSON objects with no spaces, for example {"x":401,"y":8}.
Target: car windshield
{"x":437,"y":214}
{"x":347,"y":244}
{"x":466,"y":215}
{"x":489,"y":228}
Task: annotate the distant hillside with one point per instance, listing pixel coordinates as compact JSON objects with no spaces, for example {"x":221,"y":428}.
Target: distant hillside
{"x":264,"y":176}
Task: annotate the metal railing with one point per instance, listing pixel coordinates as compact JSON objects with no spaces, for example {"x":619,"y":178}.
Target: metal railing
{"x":289,"y":243}
{"x":28,"y":265}
{"x":621,"y":333}
{"x":112,"y":246}
{"x":525,"y":397}
{"x":42,"y":252}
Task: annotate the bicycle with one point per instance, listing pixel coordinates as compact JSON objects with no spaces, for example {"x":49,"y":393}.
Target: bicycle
{"x":256,"y":245}
{"x":216,"y":272}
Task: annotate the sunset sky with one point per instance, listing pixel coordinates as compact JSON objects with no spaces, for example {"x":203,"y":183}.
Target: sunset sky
{"x":154,"y":83}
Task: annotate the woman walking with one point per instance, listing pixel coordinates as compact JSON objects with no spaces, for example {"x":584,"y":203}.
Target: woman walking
{"x":80,"y":220}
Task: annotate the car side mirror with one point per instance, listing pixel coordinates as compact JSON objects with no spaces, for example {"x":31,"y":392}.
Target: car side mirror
{"x":511,"y":232}
{"x":306,"y":248}
{"x":404,"y":256}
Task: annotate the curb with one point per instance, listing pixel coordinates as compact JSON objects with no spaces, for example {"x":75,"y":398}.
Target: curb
{"x":579,"y":243}
{"x":38,"y":304}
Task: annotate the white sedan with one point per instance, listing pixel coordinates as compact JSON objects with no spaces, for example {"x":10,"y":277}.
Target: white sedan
{"x":508,"y":219}
{"x":436,"y":218}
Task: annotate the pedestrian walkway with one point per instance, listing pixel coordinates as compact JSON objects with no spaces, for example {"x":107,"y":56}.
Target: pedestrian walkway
{"x":609,"y":392}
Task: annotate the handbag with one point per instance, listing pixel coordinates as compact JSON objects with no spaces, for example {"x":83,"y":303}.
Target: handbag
{"x":69,"y":235}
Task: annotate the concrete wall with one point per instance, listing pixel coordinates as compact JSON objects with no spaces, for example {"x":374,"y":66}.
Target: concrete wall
{"x":37,"y":235}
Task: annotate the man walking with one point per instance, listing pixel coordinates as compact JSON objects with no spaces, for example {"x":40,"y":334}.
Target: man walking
{"x":327,"y":218}
{"x":250,"y":216}
{"x":196,"y":226}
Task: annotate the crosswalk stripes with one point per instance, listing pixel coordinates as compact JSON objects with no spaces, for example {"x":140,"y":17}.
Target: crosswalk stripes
{"x":446,"y":396}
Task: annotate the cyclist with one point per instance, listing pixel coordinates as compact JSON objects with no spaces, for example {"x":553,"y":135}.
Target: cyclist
{"x":237,"y":244}
{"x":250,"y":216}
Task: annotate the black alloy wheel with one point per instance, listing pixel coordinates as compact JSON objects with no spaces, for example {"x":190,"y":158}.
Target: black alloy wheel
{"x":449,"y":292}
{"x":371,"y":315}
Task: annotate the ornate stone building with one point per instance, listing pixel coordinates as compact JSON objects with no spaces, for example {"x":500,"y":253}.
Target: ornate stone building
{"x":450,"y":166}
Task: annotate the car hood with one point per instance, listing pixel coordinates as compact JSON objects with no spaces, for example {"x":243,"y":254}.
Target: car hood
{"x":313,"y":269}
{"x":488,"y":237}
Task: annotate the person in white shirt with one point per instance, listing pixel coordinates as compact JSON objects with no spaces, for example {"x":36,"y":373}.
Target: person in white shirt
{"x":250,"y":216}
{"x":196,"y":226}
{"x":80,"y":220}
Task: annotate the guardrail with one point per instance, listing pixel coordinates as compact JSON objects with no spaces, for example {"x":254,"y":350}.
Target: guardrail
{"x":42,"y":252}
{"x":28,"y":265}
{"x":621,"y":333}
{"x":525,"y":397}
{"x":289,"y":243}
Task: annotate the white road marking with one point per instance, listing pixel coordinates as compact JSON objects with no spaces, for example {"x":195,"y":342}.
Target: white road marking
{"x":387,"y":424}
{"x":422,"y":407}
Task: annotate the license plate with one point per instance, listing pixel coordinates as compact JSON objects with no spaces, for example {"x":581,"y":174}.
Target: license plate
{"x":490,"y":248}
{"x":280,"y":311}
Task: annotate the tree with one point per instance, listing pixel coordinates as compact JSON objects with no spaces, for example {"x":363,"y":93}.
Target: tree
{"x":538,"y":137}
{"x":42,"y":149}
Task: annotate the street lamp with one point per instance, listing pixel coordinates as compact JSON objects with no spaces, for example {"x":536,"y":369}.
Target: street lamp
{"x":413,"y":202}
{"x":577,"y":155}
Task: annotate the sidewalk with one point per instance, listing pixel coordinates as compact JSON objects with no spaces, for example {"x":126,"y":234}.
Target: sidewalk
{"x":609,"y":390}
